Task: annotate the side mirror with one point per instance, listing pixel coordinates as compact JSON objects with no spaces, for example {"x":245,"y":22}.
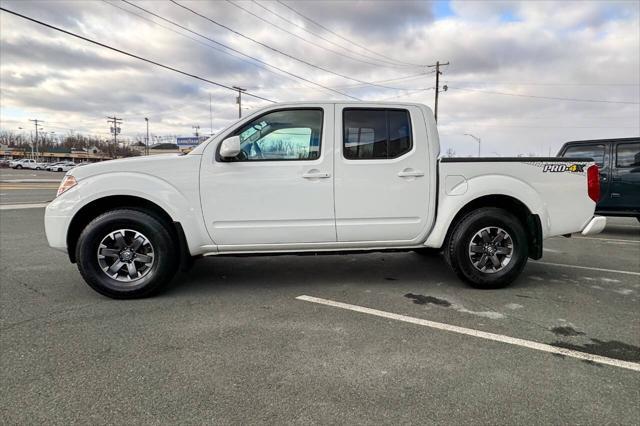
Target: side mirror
{"x":230,"y":147}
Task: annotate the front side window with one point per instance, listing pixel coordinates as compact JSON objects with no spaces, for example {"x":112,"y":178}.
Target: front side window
{"x":376,"y":133}
{"x":587,"y":151}
{"x":628,"y":155}
{"x":293,"y":134}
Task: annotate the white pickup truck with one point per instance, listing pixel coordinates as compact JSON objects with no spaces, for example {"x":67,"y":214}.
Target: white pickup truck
{"x":27,"y":164}
{"x":317,"y":177}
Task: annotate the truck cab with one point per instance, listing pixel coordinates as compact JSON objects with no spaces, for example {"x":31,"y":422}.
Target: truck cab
{"x":619,"y":163}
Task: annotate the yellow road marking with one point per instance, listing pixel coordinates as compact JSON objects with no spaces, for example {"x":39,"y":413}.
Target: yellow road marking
{"x":26,"y":186}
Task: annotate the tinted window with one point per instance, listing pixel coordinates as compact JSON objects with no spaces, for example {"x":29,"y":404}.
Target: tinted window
{"x":628,"y":155}
{"x":282,"y":135}
{"x":375,"y":133}
{"x":587,"y":151}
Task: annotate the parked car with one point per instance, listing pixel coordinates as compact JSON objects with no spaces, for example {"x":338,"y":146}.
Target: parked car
{"x":619,"y":163}
{"x":317,"y":177}
{"x":29,"y":164}
{"x":50,"y":166}
{"x":14,"y":163}
{"x":66,"y":167}
{"x":63,"y":166}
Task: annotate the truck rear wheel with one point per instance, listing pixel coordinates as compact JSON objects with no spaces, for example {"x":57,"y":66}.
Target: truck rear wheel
{"x":126,"y":254}
{"x":488,"y":248}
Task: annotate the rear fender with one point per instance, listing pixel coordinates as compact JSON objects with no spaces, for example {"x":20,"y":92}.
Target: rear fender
{"x":450,"y":205}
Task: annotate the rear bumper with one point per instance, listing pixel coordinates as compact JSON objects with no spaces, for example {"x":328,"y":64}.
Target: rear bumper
{"x":595,"y":225}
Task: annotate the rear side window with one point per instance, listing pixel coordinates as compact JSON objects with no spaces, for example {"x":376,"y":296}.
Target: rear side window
{"x":587,"y":151}
{"x":377,"y":134}
{"x":628,"y":155}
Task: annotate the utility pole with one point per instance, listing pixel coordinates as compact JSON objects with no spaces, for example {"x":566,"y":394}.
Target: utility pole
{"x":239,"y":99}
{"x":197,"y":128}
{"x":115,"y":129}
{"x":146,"y":145}
{"x":210,"y":115}
{"x":36,"y":121}
{"x":438,"y":72}
{"x":477,"y":140}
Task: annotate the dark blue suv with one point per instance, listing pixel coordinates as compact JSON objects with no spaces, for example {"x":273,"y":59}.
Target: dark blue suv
{"x":619,"y":163}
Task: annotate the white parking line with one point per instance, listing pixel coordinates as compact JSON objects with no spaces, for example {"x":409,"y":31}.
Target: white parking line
{"x":22,"y":206}
{"x":477,"y":333}
{"x":610,"y":239}
{"x":616,"y":271}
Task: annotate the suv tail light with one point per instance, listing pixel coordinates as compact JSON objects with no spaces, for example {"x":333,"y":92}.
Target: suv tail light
{"x":593,"y":183}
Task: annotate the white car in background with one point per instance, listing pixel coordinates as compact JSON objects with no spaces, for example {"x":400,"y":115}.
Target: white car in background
{"x":63,"y":166}
{"x":50,"y":167}
{"x":28,"y":164}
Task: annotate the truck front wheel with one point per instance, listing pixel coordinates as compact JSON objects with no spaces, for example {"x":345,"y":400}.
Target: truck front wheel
{"x":488,"y":248}
{"x":126,"y":254}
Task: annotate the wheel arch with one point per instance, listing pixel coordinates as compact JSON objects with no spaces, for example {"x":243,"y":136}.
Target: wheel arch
{"x":98,"y":206}
{"x":530,"y":221}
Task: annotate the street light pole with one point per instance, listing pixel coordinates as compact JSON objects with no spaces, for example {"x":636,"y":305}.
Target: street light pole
{"x":146,"y":145}
{"x":477,"y":140}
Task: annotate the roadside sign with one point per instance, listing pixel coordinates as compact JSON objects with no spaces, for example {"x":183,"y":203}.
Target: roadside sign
{"x":188,"y":141}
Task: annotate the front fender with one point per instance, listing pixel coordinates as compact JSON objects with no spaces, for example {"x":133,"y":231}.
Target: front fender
{"x":450,"y":205}
{"x":182,"y":205}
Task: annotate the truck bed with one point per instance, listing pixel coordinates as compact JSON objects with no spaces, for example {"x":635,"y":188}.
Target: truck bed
{"x":553,"y":188}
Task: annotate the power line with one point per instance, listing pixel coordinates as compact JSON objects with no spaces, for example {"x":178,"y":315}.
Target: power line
{"x":546,"y":97}
{"x":389,"y":64}
{"x":542,"y":83}
{"x":129,"y":54}
{"x":344,"y":38}
{"x":408,"y":77}
{"x":237,"y":51}
{"x":378,"y":64}
{"x":269,"y":47}
{"x":280,"y":73}
{"x":235,"y":56}
{"x":410,"y":93}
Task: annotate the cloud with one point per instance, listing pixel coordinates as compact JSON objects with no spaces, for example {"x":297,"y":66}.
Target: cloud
{"x":580,"y":50}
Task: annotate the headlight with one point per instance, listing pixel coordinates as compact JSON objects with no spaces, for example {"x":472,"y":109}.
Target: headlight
{"x":67,"y":183}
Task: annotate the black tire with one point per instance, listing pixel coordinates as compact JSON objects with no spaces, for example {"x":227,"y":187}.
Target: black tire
{"x":457,"y":248}
{"x":18,"y":167}
{"x":638,"y":218}
{"x":159,"y":274}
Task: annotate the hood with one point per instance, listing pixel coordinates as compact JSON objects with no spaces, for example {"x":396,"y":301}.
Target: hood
{"x":158,"y":165}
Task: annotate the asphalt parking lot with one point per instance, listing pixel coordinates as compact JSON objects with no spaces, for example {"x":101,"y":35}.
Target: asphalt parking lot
{"x":232,"y":342}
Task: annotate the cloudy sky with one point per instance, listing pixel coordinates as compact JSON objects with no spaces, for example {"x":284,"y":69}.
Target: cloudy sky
{"x":506,"y":60}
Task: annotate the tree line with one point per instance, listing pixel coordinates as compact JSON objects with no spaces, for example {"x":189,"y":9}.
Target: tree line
{"x":71,"y":140}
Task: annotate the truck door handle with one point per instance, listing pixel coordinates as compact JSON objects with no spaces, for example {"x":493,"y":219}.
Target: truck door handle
{"x":316,"y":174}
{"x":410,"y":173}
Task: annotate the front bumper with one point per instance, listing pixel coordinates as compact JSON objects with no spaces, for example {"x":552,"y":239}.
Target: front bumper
{"x":595,"y":225}
{"x":56,"y":224}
